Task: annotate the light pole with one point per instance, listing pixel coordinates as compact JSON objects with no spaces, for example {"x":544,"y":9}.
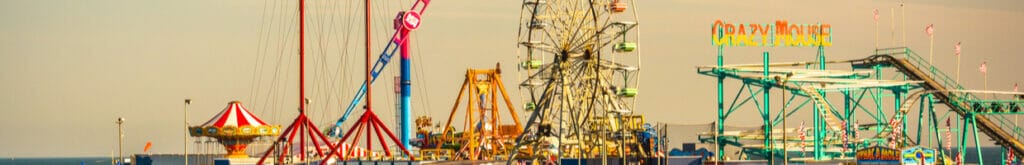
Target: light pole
{"x":120,"y":140}
{"x":957,"y":52}
{"x":785,"y":150}
{"x":185,"y":142}
{"x":622,"y":134}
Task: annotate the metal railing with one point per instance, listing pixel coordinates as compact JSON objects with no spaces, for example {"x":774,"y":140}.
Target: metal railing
{"x":936,"y":75}
{"x":951,"y":84}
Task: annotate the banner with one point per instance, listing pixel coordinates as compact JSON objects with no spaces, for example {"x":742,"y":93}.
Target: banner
{"x":781,"y":33}
{"x":878,"y":155}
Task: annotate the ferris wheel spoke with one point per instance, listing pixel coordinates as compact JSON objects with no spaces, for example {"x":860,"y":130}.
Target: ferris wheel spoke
{"x":574,"y":23}
{"x":550,"y":50}
{"x":580,"y":32}
{"x":598,"y":37}
{"x":550,"y":47}
{"x":539,"y":23}
{"x":615,"y":37}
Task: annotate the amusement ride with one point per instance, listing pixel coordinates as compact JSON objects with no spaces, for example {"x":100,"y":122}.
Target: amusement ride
{"x":581,"y":74}
{"x":855,"y":104}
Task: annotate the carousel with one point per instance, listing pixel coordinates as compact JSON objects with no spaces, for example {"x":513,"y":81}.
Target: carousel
{"x":235,"y":127}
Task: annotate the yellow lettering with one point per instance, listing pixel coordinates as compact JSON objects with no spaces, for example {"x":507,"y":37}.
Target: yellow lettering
{"x":727,"y":40}
{"x":781,"y":33}
{"x":796,"y":33}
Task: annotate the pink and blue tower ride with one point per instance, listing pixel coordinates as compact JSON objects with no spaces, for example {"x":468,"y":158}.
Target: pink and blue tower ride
{"x":405,"y":22}
{"x":406,"y":82}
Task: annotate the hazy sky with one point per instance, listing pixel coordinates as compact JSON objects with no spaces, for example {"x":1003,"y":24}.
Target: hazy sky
{"x":68,"y":68}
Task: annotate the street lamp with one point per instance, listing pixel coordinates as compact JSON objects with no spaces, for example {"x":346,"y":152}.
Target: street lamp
{"x":622,"y":134}
{"x":120,"y":139}
{"x":187,"y":103}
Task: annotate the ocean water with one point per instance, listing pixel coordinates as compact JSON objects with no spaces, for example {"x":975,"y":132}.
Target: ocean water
{"x":57,"y":161}
{"x":993,"y":155}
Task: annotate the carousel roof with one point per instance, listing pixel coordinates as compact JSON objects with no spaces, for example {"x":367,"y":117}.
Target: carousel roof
{"x":234,"y":115}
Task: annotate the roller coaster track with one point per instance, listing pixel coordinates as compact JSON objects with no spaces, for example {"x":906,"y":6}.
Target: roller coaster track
{"x":958,"y":103}
{"x":904,"y":108}
{"x":834,"y":123}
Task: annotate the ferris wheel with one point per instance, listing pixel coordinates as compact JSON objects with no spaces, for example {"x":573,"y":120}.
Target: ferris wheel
{"x":579,"y":63}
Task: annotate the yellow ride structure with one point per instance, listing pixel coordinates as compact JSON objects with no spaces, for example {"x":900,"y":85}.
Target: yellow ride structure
{"x":484,"y":136}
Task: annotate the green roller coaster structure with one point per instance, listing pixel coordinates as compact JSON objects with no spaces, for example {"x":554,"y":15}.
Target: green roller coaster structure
{"x":916,"y":83}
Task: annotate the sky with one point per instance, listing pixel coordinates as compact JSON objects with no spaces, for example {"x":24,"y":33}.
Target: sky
{"x":69,"y":68}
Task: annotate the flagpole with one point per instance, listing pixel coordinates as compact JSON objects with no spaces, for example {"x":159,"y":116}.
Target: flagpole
{"x":120,"y":140}
{"x":931,"y":47}
{"x":187,"y":131}
{"x":903,"y":23}
{"x":876,"y":30}
{"x":893,"y":26}
{"x":785,"y":139}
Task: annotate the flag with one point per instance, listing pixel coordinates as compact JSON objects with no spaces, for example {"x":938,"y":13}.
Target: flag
{"x":803,"y":136}
{"x":856,"y":127}
{"x":948,"y":122}
{"x":983,"y":68}
{"x":876,"y":15}
{"x":895,"y":136}
{"x":149,"y":144}
{"x":957,"y":48}
{"x":1009,"y":157}
{"x":959,"y":158}
{"x":930,"y":30}
{"x":949,"y":135}
{"x":845,"y":139}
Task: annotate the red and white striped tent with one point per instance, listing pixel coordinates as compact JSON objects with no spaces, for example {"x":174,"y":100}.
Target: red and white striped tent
{"x":235,"y":127}
{"x":235,"y":120}
{"x":234,"y":115}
